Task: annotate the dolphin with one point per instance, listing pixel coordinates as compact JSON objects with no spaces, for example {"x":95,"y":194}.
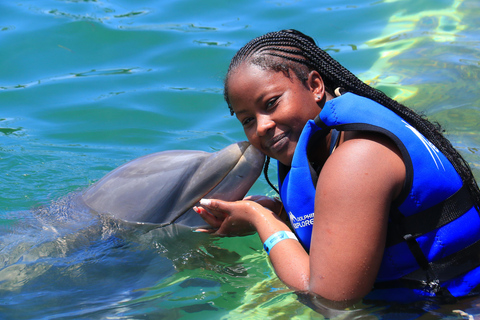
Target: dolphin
{"x":161,"y":188}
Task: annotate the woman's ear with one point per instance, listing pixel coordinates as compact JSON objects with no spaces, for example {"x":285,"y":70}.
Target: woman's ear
{"x":315,"y":84}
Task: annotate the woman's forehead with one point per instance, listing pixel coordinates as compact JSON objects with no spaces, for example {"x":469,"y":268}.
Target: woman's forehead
{"x":253,"y":77}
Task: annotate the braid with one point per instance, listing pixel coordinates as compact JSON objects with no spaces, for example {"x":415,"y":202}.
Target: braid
{"x":265,"y":173}
{"x":292,"y":50}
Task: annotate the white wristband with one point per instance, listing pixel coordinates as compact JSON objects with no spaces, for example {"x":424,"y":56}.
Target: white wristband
{"x":276,"y":238}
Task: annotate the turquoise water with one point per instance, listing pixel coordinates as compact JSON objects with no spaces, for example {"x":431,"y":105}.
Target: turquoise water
{"x":87,"y":85}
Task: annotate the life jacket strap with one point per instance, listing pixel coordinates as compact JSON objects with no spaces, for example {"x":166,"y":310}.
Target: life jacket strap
{"x":430,"y":274}
{"x":430,"y":219}
{"x":427,"y":278}
{"x":451,"y":266}
{"x":441,"y":294}
{"x":320,"y":123}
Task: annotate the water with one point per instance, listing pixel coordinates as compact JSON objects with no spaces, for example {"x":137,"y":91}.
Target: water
{"x":88,"y":85}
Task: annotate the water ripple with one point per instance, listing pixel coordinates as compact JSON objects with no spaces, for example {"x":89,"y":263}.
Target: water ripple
{"x":88,"y":10}
{"x":184,"y":27}
{"x":90,"y":73}
{"x":7,"y":28}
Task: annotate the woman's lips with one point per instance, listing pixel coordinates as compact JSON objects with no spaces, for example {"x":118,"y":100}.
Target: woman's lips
{"x":277,"y":142}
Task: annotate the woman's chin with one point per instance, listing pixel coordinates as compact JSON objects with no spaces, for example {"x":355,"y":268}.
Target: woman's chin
{"x":285,"y":159}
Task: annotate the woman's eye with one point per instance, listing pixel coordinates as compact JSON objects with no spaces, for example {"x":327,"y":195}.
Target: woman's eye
{"x":246,"y":121}
{"x":272,"y":102}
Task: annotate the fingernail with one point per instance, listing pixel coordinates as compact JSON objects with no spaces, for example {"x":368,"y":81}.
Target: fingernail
{"x":205,"y":202}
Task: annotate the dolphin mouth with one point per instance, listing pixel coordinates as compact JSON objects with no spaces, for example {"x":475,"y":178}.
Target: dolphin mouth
{"x":161,"y":188}
{"x":235,"y":182}
{"x":239,"y":179}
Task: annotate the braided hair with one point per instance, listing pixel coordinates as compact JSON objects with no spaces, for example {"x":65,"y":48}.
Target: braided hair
{"x":291,"y":50}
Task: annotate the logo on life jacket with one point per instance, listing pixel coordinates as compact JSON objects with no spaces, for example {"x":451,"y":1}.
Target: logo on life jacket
{"x":300,"y":222}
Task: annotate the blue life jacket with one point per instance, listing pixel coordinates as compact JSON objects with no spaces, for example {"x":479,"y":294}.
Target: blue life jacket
{"x":434,"y":227}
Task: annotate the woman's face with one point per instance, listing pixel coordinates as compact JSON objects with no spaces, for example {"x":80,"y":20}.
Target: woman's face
{"x":273,"y":108}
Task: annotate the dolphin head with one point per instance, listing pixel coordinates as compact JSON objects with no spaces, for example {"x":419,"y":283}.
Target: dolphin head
{"x":162,"y":188}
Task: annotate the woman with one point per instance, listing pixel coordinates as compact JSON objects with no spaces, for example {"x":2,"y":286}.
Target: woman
{"x":375,"y":194}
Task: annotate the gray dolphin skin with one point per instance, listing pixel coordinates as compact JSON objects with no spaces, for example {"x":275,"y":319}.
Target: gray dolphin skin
{"x":161,"y":188}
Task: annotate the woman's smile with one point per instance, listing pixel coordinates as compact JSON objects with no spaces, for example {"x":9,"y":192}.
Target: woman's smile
{"x":277,"y":143}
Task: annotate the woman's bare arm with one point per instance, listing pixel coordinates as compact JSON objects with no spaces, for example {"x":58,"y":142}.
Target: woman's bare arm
{"x":353,"y":197}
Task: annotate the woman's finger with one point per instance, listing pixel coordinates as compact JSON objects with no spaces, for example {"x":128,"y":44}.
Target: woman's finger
{"x":215,"y":204}
{"x":208,"y":217}
{"x":203,"y":230}
{"x":218,"y":208}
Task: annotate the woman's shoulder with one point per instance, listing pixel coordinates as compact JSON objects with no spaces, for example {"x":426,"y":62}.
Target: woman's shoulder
{"x":366,"y":160}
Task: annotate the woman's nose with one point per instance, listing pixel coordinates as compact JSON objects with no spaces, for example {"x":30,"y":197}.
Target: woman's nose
{"x":264,"y":124}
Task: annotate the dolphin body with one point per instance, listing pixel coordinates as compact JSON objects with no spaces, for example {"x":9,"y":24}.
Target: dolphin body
{"x":161,"y":188}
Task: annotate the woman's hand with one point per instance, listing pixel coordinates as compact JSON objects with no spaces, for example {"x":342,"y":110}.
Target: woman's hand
{"x":273,"y":204}
{"x":230,"y":218}
{"x":238,"y":218}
